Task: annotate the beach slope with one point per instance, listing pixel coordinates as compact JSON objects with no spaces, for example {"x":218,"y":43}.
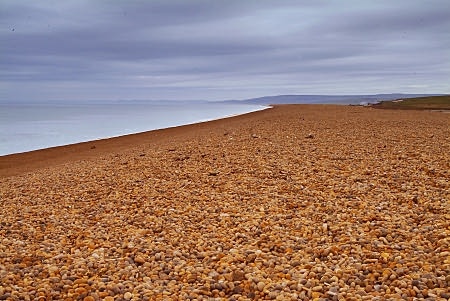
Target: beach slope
{"x":298,"y":202}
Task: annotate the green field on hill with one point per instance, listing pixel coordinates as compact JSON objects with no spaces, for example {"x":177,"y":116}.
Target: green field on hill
{"x":420,"y":103}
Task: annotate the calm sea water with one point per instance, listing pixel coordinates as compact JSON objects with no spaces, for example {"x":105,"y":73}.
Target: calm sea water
{"x":26,"y":127}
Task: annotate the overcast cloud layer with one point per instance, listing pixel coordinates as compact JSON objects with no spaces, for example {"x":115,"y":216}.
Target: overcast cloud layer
{"x":217,"y":50}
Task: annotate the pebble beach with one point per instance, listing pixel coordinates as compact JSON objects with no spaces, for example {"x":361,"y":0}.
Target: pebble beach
{"x":297,"y":202}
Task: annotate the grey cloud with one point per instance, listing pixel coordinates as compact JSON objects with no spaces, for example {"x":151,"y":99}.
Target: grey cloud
{"x":209,"y":48}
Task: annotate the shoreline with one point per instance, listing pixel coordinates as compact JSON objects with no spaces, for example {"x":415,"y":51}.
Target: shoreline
{"x":17,"y":163}
{"x":299,"y":202}
{"x":25,"y":130}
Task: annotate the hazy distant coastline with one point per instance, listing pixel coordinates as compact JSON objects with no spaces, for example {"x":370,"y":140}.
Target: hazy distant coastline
{"x":328,"y":99}
{"x":263,"y":100}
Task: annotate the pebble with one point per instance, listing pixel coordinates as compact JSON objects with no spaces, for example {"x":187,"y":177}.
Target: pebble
{"x":237,"y":275}
{"x":127,"y":296}
{"x":355,"y":215}
{"x":139,"y":259}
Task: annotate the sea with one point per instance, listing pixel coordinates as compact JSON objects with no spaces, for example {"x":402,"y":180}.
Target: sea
{"x":31,"y":126}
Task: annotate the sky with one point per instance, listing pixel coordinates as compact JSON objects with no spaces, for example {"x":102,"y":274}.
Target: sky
{"x":219,"y":50}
